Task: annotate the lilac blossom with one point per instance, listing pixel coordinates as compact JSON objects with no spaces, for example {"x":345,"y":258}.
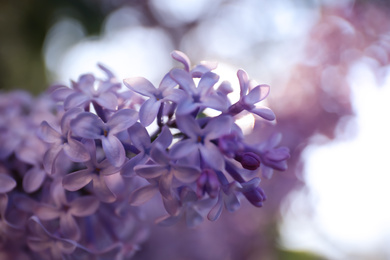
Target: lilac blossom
{"x":75,"y":171}
{"x":66,"y":211}
{"x":62,"y":141}
{"x":165,"y":170}
{"x":156,"y":96}
{"x":198,"y":97}
{"x":95,"y":173}
{"x":249,"y":99}
{"x":50,"y":246}
{"x":142,"y":142}
{"x":84,"y":92}
{"x":199,"y":140}
{"x":90,"y":126}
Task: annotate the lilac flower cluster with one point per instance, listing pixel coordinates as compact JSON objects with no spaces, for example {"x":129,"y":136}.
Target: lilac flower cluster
{"x":77,"y":163}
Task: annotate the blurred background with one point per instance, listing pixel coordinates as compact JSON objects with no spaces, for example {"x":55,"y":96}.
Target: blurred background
{"x":327,"y":62}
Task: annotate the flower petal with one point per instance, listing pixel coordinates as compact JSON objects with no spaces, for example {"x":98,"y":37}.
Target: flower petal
{"x":150,"y":171}
{"x":69,"y":227}
{"x":33,"y":179}
{"x":84,"y":206}
{"x":7,"y":183}
{"x":243,"y":79}
{"x":264,"y":112}
{"x":218,"y":127}
{"x":207,"y":81}
{"x":183,"y":148}
{"x":183,"y":78}
{"x":139,"y":136}
{"x":87,"y":125}
{"x":76,"y":151}
{"x":122,"y":120}
{"x":143,"y":194}
{"x":46,"y":212}
{"x":77,"y":180}
{"x":182,"y":58}
{"x":102,"y":192}
{"x":76,"y":99}
{"x":48,"y":134}
{"x":186,"y":174}
{"x":148,"y":111}
{"x":114,"y":150}
{"x":257,"y":94}
{"x":107,"y":100}
{"x":165,"y":185}
{"x":141,"y":86}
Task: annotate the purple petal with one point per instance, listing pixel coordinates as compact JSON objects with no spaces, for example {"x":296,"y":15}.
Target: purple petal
{"x":218,"y":127}
{"x":183,"y":148}
{"x":48,"y":133}
{"x":186,"y":174}
{"x":159,"y":155}
{"x":114,"y":151}
{"x":174,"y":95}
{"x":143,"y":194}
{"x":50,"y":157}
{"x":243,"y":79}
{"x":102,"y":191}
{"x":167,"y":83}
{"x":107,"y":100}
{"x":184,"y":79}
{"x":76,"y":151}
{"x":172,"y":206}
{"x":61,"y":93}
{"x":84,"y":206}
{"x":139,"y":136}
{"x":33,"y":179}
{"x":181,"y":57}
{"x":122,"y":120}
{"x":148,"y":111}
{"x":165,"y":185}
{"x":87,"y":125}
{"x":264,"y":112}
{"x":128,"y":168}
{"x":207,"y":81}
{"x":256,"y":95}
{"x":189,"y":126}
{"x":68,"y":117}
{"x":216,"y":211}
{"x":203,"y":68}
{"x":168,"y":220}
{"x":186,"y":107}
{"x":231,"y":202}
{"x":3,"y":204}
{"x":151,"y":171}
{"x":212,"y":156}
{"x":47,"y":212}
{"x":76,"y":99}
{"x":77,"y":180}
{"x":165,"y":138}
{"x":141,"y":86}
{"x":216,"y":102}
{"x":7,"y":183}
{"x":69,"y":227}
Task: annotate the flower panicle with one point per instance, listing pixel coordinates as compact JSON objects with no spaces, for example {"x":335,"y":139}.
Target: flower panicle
{"x":80,"y":159}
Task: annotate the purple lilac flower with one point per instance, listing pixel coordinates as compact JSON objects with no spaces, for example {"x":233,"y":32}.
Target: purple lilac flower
{"x":90,"y":126}
{"x":198,"y":70}
{"x":62,"y":141}
{"x":248,"y":100}
{"x":48,"y":245}
{"x":84,"y":92}
{"x":200,"y":97}
{"x":66,"y":211}
{"x":157,"y":96}
{"x":165,"y":169}
{"x":142,"y":142}
{"x":95,"y":172}
{"x":199,"y":140}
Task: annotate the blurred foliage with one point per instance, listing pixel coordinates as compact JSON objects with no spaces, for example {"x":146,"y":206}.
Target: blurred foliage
{"x":23,"y":27}
{"x":297,"y":255}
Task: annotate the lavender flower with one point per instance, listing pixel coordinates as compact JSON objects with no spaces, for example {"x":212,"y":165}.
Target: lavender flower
{"x":165,"y":92}
{"x":90,"y":126}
